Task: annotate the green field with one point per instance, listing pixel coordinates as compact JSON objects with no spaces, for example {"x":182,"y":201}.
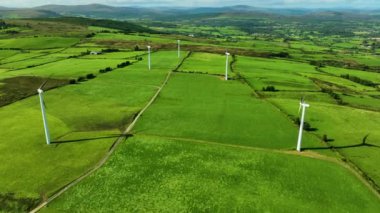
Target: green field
{"x":205,"y":63}
{"x":199,"y":143}
{"x":38,"y":43}
{"x":347,"y":133}
{"x":68,"y":68}
{"x":153,"y":174}
{"x":283,"y":75}
{"x":208,"y":108}
{"x":85,"y":119}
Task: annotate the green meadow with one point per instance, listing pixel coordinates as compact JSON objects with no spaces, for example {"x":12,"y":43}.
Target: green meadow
{"x":203,"y":144}
{"x":38,"y":42}
{"x":85,"y":119}
{"x":159,"y":174}
{"x":345,"y":132}
{"x":283,"y":75}
{"x":206,"y":63}
{"x":208,"y":108}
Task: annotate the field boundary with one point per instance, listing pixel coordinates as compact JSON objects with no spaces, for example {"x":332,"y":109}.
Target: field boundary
{"x":112,"y":149}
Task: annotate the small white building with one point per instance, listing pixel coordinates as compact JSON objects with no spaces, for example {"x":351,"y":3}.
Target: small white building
{"x":95,"y":53}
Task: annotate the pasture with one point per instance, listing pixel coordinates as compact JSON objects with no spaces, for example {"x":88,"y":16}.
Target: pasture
{"x":38,"y":42}
{"x":85,"y":119}
{"x":205,"y":144}
{"x":208,"y":108}
{"x":205,"y":63}
{"x":159,"y":174}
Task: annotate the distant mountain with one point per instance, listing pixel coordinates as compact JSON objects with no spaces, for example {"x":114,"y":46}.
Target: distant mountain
{"x":26,"y":13}
{"x":102,"y":11}
{"x":4,"y":8}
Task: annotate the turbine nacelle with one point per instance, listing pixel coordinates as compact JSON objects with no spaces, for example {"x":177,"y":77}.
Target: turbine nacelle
{"x":39,"y":90}
{"x":228,"y":54}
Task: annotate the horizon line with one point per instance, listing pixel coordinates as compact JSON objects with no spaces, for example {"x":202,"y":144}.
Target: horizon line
{"x":195,"y":7}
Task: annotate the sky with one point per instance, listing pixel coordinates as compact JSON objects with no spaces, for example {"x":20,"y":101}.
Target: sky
{"x":202,"y":3}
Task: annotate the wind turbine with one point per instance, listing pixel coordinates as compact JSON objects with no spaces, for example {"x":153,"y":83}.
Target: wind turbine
{"x":43,"y":106}
{"x":227,"y":54}
{"x":303,"y":106}
{"x":179,"y":48}
{"x":149,"y":57}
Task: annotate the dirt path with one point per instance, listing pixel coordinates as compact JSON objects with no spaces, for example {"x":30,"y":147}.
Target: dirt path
{"x":109,"y":153}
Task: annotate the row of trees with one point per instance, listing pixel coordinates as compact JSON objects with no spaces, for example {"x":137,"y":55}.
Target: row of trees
{"x":359,"y":80}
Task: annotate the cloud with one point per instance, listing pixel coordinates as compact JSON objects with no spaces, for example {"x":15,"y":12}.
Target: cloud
{"x":199,"y":3}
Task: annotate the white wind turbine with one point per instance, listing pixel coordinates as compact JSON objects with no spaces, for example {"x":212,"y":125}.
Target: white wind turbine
{"x":226,"y":76}
{"x":303,"y":106}
{"x":149,"y":57}
{"x":179,"y":48}
{"x":43,"y":106}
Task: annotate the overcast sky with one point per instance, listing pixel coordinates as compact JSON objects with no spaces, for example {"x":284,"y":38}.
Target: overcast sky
{"x":201,"y":3}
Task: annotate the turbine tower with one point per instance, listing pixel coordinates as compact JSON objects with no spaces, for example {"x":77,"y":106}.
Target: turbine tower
{"x":303,"y":106}
{"x":149,"y":67}
{"x":227,"y":54}
{"x":179,"y":48}
{"x":44,"y":119}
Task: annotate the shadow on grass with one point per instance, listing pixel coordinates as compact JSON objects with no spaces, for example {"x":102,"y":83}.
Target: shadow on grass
{"x":91,"y":139}
{"x":343,"y":147}
{"x":363,"y":144}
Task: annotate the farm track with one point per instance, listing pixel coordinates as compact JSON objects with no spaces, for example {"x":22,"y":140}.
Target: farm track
{"x":112,"y":149}
{"x":109,"y":153}
{"x":309,"y":154}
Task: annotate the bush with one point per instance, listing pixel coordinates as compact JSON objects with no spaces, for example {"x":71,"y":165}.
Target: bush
{"x":124,"y":64}
{"x":90,"y":76}
{"x":90,"y":35}
{"x":110,"y":50}
{"x":72,"y":81}
{"x":306,"y":125}
{"x":270,"y":89}
{"x":359,"y":80}
{"x":137,"y":48}
{"x":81,"y":78}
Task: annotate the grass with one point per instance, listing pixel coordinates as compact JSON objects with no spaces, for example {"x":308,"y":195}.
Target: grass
{"x":149,"y":174}
{"x":205,"y":62}
{"x":339,"y":84}
{"x":68,"y":68}
{"x":116,"y":55}
{"x":28,"y":63}
{"x":371,"y":76}
{"x":347,"y":132}
{"x":38,"y":42}
{"x":283,"y":75}
{"x":207,"y":108}
{"x":84,"y":120}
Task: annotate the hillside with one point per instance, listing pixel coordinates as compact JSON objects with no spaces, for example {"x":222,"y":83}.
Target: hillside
{"x":26,"y":13}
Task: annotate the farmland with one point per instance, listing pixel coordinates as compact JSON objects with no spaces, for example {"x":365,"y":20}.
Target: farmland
{"x":179,"y":137}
